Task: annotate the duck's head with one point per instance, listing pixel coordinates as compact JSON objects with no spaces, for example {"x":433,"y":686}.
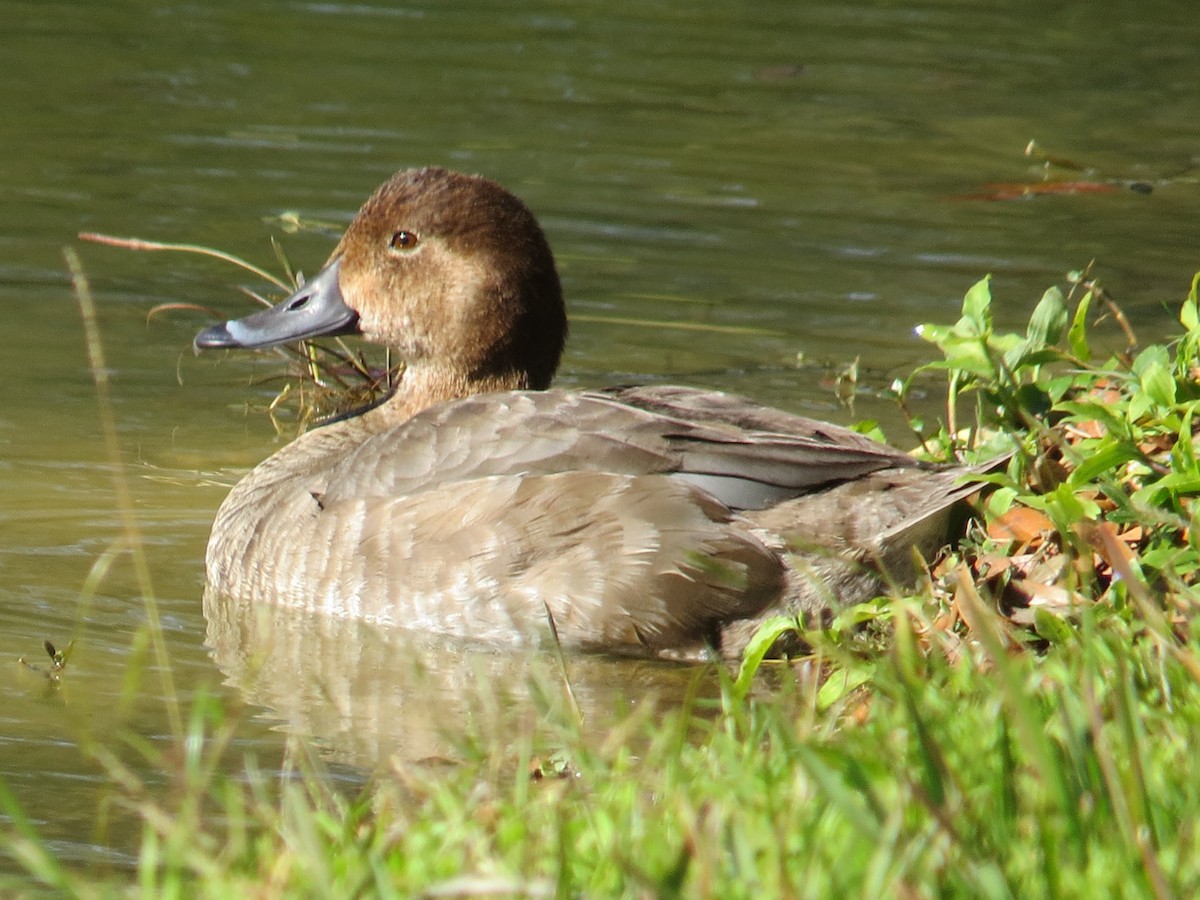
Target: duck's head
{"x":449,"y":270}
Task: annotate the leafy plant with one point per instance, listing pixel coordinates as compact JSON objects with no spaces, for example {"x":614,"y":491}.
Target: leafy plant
{"x":1105,"y":498}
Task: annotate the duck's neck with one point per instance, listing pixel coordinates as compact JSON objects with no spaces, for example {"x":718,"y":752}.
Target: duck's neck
{"x":422,"y":386}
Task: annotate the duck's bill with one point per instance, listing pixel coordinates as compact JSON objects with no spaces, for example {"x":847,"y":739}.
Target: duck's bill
{"x":315,"y":310}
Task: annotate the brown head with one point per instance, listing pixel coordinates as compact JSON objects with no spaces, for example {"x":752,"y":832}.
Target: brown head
{"x":449,"y":270}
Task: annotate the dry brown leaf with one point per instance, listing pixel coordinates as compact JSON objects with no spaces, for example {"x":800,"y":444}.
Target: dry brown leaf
{"x":1092,"y":428}
{"x":1051,"y":596}
{"x":1020,"y":524}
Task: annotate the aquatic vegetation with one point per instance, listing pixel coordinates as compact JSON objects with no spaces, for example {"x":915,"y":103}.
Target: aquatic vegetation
{"x":58,"y":661}
{"x":320,"y":380}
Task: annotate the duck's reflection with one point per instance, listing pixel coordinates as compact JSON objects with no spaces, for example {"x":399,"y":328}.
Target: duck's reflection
{"x":370,"y":694}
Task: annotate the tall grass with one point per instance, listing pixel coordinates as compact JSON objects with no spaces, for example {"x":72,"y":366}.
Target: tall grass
{"x":989,"y":775}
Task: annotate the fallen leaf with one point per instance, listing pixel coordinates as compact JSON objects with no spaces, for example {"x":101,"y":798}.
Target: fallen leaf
{"x":1016,"y":190}
{"x":1020,"y":524}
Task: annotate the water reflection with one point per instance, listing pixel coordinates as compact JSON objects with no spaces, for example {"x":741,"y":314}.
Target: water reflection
{"x":370,"y":694}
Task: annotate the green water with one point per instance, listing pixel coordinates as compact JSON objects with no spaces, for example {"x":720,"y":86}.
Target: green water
{"x":791,"y":176}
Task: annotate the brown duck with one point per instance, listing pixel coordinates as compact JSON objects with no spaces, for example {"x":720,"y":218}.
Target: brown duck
{"x":475,"y":502}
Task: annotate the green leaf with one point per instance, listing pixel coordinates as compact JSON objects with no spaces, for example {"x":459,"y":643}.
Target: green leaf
{"x":1042,"y":334}
{"x":756,"y":650}
{"x":1064,"y":507}
{"x":1139,"y":405}
{"x":1174,"y":483}
{"x":1000,"y":501}
{"x":934,"y":333}
{"x":1154,"y":375}
{"x":1005,"y":342}
{"x":1103,"y":458}
{"x":1041,"y":357}
{"x":1111,"y":417}
{"x":1051,"y":627}
{"x":1181,"y":482}
{"x":968,"y":354}
{"x":1169,"y":558}
{"x":1183,"y":454}
{"x":1189,"y":316}
{"x":976,"y":318}
{"x":1077,"y":336}
{"x":1048,"y":320}
{"x":1033,"y":399}
{"x":853,"y":616}
{"x":842,"y":682}
{"x":1077,"y":508}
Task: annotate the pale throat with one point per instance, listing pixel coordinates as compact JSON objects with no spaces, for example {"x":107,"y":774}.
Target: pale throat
{"x":424,"y":384}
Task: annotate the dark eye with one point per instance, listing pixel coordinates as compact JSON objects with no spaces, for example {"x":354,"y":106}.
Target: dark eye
{"x":404,"y":240}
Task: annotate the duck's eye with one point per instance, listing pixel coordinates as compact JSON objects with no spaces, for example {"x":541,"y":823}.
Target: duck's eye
{"x":404,"y":240}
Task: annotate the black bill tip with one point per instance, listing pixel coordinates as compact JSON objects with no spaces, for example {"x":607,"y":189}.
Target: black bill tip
{"x":215,"y":337}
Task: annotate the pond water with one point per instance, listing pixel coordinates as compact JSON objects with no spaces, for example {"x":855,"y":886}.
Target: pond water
{"x":745,"y":196}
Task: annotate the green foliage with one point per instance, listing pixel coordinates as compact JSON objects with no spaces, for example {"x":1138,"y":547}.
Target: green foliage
{"x":1108,"y":444}
{"x":984,"y":773}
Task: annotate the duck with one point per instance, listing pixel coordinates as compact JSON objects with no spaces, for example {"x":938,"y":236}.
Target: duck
{"x":477,"y":501}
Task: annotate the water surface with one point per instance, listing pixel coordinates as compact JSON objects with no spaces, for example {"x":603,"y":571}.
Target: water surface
{"x":788,"y":180}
